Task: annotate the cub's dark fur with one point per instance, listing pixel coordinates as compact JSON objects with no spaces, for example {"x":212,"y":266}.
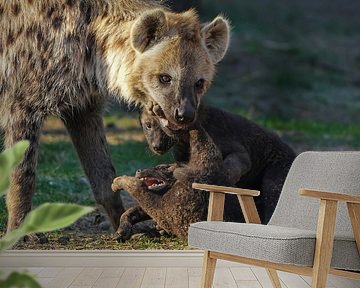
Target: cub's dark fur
{"x":252,"y":157}
{"x":173,"y":204}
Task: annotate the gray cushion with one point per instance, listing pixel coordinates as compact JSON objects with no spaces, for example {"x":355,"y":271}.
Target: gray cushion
{"x":325,"y":171}
{"x":271,"y":243}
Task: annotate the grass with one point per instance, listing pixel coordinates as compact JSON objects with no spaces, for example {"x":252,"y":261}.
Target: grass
{"x":337,"y":134}
{"x":78,"y":241}
{"x":60,"y":177}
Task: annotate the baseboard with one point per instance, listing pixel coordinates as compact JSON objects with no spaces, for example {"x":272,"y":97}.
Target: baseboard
{"x":105,"y":258}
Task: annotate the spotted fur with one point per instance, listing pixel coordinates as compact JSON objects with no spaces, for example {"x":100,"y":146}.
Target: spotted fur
{"x":67,"y":57}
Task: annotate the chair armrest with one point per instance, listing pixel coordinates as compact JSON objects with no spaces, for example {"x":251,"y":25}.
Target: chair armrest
{"x":224,"y":189}
{"x":217,"y":200}
{"x":322,"y":195}
{"x":327,"y":219}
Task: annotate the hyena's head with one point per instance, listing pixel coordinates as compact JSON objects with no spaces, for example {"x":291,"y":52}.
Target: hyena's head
{"x":175,"y":60}
{"x":159,"y":142}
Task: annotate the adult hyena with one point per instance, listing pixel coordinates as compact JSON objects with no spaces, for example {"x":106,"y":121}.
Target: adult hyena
{"x":66,"y":57}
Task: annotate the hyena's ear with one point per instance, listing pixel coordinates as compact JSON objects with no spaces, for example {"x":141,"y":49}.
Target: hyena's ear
{"x":148,"y":29}
{"x":216,"y":36}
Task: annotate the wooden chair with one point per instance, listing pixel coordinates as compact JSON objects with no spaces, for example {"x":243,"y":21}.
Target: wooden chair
{"x":300,"y":238}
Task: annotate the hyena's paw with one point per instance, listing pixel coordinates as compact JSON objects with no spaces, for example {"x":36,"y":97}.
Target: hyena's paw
{"x":123,"y":233}
{"x":161,"y":231}
{"x":38,"y":238}
{"x":118,"y":184}
{"x":128,"y":183}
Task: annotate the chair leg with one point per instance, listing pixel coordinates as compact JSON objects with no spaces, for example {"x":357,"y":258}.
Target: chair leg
{"x":274,"y":278}
{"x":324,"y":243}
{"x":208,"y":271}
{"x":354,"y":212}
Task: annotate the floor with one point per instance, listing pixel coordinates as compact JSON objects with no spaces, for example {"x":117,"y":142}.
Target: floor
{"x":158,"y":270}
{"x":171,"y":277}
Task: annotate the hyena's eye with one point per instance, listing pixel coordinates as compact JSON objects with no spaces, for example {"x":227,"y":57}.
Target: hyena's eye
{"x":164,"y":78}
{"x":148,"y":125}
{"x":199,"y":84}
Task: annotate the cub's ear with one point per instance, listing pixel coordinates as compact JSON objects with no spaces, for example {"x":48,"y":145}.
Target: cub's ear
{"x":216,"y":36}
{"x":148,"y":29}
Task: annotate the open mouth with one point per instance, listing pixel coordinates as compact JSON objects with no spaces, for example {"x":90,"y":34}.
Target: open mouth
{"x":153,"y":183}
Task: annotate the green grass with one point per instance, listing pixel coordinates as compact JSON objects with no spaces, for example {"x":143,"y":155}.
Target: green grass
{"x":60,"y":177}
{"x":105,"y":241}
{"x":316,"y":135}
{"x":131,"y":156}
{"x":343,"y":134}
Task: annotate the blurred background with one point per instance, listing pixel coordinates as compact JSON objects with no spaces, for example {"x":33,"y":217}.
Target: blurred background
{"x":292,"y":67}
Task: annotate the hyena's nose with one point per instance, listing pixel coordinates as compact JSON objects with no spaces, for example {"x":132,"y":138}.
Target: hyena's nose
{"x":156,"y":148}
{"x":184,"y":116}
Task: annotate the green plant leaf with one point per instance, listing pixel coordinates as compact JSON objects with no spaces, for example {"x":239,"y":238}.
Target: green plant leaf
{"x":11,"y":238}
{"x":47,"y":217}
{"x":20,"y":280}
{"x":53,"y":216}
{"x":9,"y":159}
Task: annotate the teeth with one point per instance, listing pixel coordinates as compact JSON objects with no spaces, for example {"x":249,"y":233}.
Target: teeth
{"x":155,"y":185}
{"x":164,"y":122}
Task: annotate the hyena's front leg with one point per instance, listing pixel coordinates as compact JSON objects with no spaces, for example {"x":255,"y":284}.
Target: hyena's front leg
{"x":128,"y":219}
{"x":205,"y":158}
{"x":22,"y":126}
{"x":235,"y":165}
{"x":88,"y":135}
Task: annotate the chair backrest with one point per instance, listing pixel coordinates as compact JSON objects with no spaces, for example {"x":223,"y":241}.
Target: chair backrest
{"x":325,"y":171}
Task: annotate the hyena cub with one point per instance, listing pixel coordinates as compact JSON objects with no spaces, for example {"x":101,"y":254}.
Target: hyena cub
{"x":66,"y":57}
{"x":252,"y":157}
{"x":171,"y":203}
{"x":174,"y":205}
{"x":159,"y":142}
